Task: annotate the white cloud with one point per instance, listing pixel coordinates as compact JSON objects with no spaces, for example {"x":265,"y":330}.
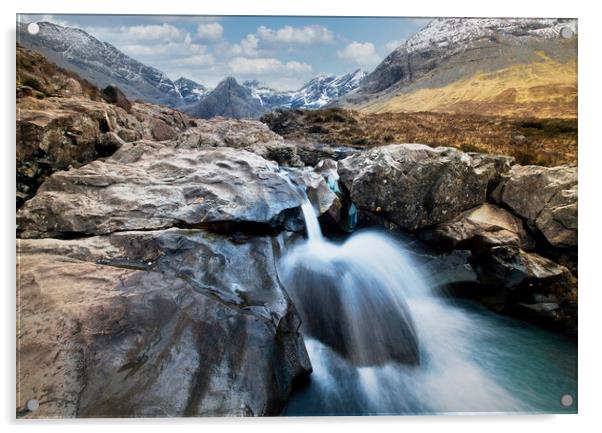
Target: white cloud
{"x":167,"y":51}
{"x":308,"y":35}
{"x":199,"y":60}
{"x":130,"y":35}
{"x":360,"y":54}
{"x":247,"y":47}
{"x":152,"y":32}
{"x":392,"y":45}
{"x":209,"y":31}
{"x":262,"y":66}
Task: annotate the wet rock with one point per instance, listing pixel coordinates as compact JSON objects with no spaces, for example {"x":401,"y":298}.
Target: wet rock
{"x":413,"y":185}
{"x":547,"y":198}
{"x":526,"y":285}
{"x":114,"y":96}
{"x":510,"y":267}
{"x":110,"y":326}
{"x":443,"y":270}
{"x":483,"y":226}
{"x":151,"y":186}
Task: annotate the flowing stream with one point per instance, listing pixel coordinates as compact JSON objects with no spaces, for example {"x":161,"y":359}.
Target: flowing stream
{"x":382,"y":342}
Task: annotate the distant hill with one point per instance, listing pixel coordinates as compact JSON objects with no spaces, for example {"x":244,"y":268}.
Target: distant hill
{"x":477,"y":66}
{"x":100,"y":63}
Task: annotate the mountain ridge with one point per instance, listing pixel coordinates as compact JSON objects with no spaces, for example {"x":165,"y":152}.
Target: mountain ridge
{"x":100,"y":62}
{"x":480,"y":52}
{"x":103,"y":64}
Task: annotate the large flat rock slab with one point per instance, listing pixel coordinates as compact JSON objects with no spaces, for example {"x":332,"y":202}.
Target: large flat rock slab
{"x":148,"y":186}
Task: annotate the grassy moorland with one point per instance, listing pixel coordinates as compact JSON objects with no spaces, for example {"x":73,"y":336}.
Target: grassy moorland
{"x":538,"y":141}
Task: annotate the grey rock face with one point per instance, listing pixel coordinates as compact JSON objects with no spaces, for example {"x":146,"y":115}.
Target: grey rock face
{"x":168,"y":323}
{"x":152,"y":186}
{"x":527,"y":285}
{"x":546,"y":198}
{"x":413,"y":185}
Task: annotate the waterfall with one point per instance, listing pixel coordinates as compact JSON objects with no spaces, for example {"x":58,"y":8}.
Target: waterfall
{"x":314,"y":234}
{"x":382,"y":342}
{"x":351,"y":296}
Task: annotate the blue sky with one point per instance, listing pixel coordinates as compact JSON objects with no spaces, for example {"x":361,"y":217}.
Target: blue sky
{"x":283,"y":52}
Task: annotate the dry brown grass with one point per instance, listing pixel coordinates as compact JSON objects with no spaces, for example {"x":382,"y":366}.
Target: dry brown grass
{"x":531,"y":141}
{"x":543,"y":89}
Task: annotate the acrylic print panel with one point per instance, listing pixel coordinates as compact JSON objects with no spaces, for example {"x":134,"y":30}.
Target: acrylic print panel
{"x":232,"y":216}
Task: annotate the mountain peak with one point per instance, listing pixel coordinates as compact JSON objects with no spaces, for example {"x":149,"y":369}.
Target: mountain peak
{"x":190,"y":90}
{"x":449,"y":32}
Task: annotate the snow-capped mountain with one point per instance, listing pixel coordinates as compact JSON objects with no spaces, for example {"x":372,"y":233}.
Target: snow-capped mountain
{"x":456,"y":33}
{"x":496,"y":66}
{"x":324,"y":88}
{"x":190,"y":90}
{"x":268,"y":97}
{"x":314,"y":94}
{"x":253,"y":98}
{"x":473,"y":40}
{"x":100,"y":62}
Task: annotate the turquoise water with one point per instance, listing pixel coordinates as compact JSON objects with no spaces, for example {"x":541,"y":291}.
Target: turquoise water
{"x":472,"y":360}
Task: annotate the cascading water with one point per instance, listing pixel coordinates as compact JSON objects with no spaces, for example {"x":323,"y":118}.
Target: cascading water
{"x":381,"y":342}
{"x":351,"y":296}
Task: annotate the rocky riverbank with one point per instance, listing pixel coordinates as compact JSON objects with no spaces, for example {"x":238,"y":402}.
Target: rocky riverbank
{"x":148,"y":243}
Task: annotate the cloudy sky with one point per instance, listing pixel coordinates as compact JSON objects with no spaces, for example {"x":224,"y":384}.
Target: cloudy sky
{"x":283,"y":52}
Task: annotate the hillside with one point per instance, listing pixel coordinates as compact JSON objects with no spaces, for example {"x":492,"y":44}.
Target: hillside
{"x":486,"y":66}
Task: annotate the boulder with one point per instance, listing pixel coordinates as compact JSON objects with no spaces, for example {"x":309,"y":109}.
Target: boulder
{"x":113,"y":95}
{"x":413,"y":185}
{"x":149,"y":185}
{"x":219,"y":132}
{"x":484,"y":226}
{"x":510,"y":266}
{"x":547,"y":198}
{"x":527,"y":285}
{"x":154,"y":324}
